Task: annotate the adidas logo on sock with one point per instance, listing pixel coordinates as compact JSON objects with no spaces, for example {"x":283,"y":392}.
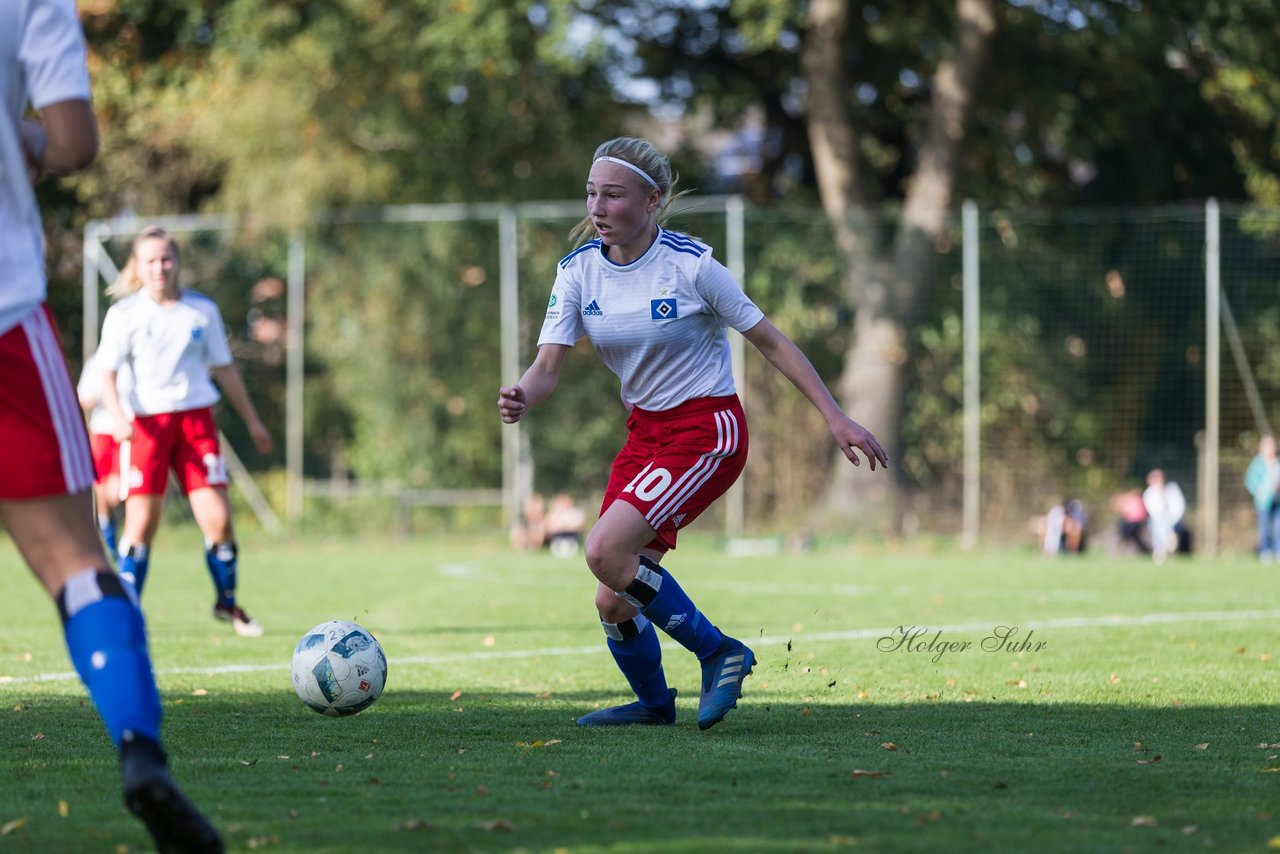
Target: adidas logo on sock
{"x":675,"y":622}
{"x":592,"y":310}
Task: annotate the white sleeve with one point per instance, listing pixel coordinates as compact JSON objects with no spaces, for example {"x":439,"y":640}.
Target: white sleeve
{"x":90,"y":385}
{"x":53,"y":53}
{"x":112,"y":344}
{"x":563,"y":322}
{"x":218,"y":354}
{"x":720,"y":290}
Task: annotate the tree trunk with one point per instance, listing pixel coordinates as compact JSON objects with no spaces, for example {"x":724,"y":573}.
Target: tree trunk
{"x":887,"y":284}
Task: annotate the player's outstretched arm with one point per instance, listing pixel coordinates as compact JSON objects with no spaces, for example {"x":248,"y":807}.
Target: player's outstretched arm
{"x":784,"y":355}
{"x":538,"y":382}
{"x":232,"y":385}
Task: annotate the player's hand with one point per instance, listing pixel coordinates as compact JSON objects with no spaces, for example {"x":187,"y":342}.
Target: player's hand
{"x":511,"y":403}
{"x":261,"y":437}
{"x":853,"y":437}
{"x":124,"y":431}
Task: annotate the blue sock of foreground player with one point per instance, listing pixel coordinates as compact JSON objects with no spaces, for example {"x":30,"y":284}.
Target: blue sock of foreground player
{"x":133,"y":564}
{"x":221,"y":560}
{"x":658,"y":596}
{"x":634,"y":645}
{"x":107,"y":640}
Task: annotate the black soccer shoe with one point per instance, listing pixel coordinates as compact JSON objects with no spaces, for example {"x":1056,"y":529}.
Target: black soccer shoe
{"x":150,"y":793}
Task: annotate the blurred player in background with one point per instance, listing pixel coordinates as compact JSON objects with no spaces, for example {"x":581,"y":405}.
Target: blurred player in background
{"x":46,"y":470}
{"x":173,"y":342}
{"x":102,"y":442}
{"x":1262,"y":480}
{"x":655,"y":304}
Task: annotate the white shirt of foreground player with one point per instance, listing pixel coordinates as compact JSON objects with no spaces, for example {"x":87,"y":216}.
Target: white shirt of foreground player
{"x":42,"y":62}
{"x":658,"y":323}
{"x":170,"y":349}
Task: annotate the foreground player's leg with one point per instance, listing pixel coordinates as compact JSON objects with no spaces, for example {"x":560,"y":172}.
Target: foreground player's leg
{"x":726,"y":662}
{"x":634,"y":646}
{"x":108,"y":645}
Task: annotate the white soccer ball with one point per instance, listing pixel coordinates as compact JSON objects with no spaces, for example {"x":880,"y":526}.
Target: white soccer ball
{"x":338,"y":668}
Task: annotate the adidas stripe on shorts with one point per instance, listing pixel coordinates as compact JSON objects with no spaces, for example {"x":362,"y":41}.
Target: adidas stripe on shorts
{"x":42,"y":432}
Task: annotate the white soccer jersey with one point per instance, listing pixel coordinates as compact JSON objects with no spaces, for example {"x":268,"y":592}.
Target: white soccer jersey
{"x":90,"y":388}
{"x":169,"y":348}
{"x":42,"y":62}
{"x":658,"y":322}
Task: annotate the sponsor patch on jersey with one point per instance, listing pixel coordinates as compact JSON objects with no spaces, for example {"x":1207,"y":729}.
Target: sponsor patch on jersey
{"x":663,"y":309}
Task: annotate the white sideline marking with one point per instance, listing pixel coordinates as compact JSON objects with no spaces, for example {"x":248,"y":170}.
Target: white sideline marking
{"x":767,"y":640}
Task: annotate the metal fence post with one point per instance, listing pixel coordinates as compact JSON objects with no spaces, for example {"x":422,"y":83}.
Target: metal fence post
{"x":972,"y":378}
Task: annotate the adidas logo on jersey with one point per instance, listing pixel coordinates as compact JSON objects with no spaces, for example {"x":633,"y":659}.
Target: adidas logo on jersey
{"x":592,"y":310}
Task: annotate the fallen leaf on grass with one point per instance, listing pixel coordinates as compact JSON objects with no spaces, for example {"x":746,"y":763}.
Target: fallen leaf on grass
{"x":38,"y":737}
{"x":10,"y":826}
{"x":200,"y":692}
{"x":1273,"y":842}
{"x":1138,"y":748}
{"x":482,"y":790}
{"x":63,"y":809}
{"x":415,"y":824}
{"x":858,"y":772}
{"x":888,"y":745}
{"x":454,"y":696}
{"x":489,"y":640}
{"x":538,"y":743}
{"x":1204,"y":745}
{"x":497,"y":824}
{"x":1144,"y":821}
{"x":930,"y":816}
{"x":1155,"y":758}
{"x":1188,"y":829}
{"x":545,"y":695}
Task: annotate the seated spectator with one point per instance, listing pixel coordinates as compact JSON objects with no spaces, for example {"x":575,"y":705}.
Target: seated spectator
{"x":1166,"y":505}
{"x":564,"y":525}
{"x":1132,"y":522}
{"x":529,"y":532}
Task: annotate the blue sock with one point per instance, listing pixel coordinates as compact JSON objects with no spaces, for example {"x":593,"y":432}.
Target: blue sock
{"x":133,"y":565}
{"x":108,"y":644}
{"x":107,"y":524}
{"x":658,"y":596}
{"x":221,"y":560}
{"x":634,"y":645}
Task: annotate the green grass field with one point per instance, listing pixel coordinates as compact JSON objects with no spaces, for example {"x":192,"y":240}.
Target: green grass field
{"x":1147,"y":717}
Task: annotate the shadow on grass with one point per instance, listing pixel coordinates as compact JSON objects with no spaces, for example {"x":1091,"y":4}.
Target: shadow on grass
{"x":500,"y":771}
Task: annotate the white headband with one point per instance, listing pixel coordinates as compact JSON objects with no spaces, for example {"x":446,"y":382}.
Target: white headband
{"x":634,"y":168}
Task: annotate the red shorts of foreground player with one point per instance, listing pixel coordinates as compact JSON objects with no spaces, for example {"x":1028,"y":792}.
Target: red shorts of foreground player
{"x":46,"y":449}
{"x":676,"y":463}
{"x":186,"y":442}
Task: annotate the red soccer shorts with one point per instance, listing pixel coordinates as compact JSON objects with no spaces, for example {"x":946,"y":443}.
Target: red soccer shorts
{"x":676,"y":463}
{"x":106,"y":456}
{"x":45,"y":447}
{"x":186,"y":442}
